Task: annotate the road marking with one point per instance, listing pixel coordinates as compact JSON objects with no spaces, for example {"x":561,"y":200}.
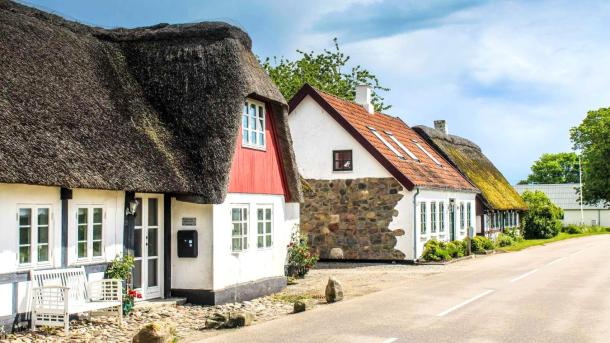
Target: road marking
{"x":446,"y":312}
{"x":524,"y":275}
{"x":555,"y":261}
{"x":390,"y":340}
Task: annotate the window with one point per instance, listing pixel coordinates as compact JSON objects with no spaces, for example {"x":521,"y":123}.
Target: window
{"x":400,"y":145}
{"x":342,"y":160}
{"x":462,"y":216}
{"x":253,"y":124}
{"x":384,"y":141}
{"x":422,"y":219}
{"x":34,"y":232}
{"x":264,"y":223}
{"x":89,"y":233}
{"x":427,"y":153}
{"x":433,"y":217}
{"x":441,"y":216}
{"x":239,"y":220}
{"x":468,"y":213}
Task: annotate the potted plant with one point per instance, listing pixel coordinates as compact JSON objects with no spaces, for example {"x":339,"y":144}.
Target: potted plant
{"x":120,"y":268}
{"x":299,"y":258}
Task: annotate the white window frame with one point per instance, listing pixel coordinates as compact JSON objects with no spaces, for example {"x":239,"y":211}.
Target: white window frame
{"x":423,"y":218}
{"x":244,"y":223}
{"x":433,"y":218}
{"x":400,"y":145}
{"x":90,"y":209}
{"x":385,"y":142}
{"x":264,"y":235}
{"x":427,"y":153}
{"x":441,"y":214}
{"x":33,"y":243}
{"x":462,"y":219}
{"x":259,"y":118}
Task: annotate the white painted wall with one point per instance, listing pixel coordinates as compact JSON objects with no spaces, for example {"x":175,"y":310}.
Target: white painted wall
{"x":315,"y":134}
{"x":601,"y":217}
{"x":193,"y":273}
{"x":232,"y":268}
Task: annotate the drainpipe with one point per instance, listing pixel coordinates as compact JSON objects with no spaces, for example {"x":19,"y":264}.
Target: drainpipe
{"x":415,"y":224}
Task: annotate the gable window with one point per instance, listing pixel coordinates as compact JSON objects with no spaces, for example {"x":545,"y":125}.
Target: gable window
{"x":468,"y":212}
{"x":433,"y":218}
{"x":253,"y":124}
{"x":239,"y":233}
{"x":34,"y":232}
{"x":342,"y":160}
{"x":89,"y":233}
{"x":385,"y":142}
{"x":427,"y":153}
{"x":462,"y":216}
{"x":264,"y":222}
{"x":441,"y":216}
{"x":400,"y":145}
{"x":422,"y":219}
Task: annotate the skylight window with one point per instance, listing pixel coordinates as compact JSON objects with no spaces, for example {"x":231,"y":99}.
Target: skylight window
{"x":384,"y":141}
{"x":427,"y":153}
{"x":400,"y":145}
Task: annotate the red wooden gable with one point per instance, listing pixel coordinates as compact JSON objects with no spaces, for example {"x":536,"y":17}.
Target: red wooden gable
{"x":259,"y":171}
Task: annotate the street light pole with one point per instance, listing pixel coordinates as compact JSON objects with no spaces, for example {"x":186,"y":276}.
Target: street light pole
{"x":582,"y":192}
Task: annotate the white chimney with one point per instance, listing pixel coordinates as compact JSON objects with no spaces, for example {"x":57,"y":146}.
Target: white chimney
{"x":363,"y":97}
{"x":441,"y":125}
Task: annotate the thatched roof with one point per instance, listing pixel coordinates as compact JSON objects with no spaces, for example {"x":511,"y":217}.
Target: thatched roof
{"x":152,"y":109}
{"x":468,"y":158}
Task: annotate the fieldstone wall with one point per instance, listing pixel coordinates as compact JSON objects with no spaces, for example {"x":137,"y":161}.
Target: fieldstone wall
{"x":349,"y":219}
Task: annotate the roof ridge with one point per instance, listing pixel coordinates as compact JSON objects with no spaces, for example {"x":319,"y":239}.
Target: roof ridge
{"x":354,"y":103}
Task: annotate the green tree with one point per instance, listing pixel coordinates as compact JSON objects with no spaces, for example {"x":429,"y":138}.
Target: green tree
{"x":323,"y":71}
{"x":554,"y":168}
{"x":592,"y":137}
{"x":542,"y":220}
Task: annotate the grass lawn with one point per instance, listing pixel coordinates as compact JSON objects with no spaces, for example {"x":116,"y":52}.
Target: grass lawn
{"x":562,"y":235}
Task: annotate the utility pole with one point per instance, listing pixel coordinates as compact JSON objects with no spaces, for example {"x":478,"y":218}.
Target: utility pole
{"x":582,"y":192}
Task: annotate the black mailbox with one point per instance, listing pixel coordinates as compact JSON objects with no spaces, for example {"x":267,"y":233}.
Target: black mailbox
{"x":187,"y":243}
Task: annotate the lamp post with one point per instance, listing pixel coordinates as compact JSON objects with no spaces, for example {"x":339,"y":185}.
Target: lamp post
{"x":582,"y":192}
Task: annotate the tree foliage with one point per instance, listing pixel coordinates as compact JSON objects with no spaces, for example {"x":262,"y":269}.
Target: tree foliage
{"x":542,"y":220}
{"x":324,"y":71}
{"x":592,"y":137}
{"x":554,"y":168}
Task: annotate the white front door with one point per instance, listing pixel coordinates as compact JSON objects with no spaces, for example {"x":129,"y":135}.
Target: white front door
{"x":147,"y":246}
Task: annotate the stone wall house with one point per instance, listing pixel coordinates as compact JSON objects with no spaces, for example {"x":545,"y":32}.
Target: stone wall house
{"x":498,"y":206}
{"x":168,"y":142}
{"x":377,"y":190}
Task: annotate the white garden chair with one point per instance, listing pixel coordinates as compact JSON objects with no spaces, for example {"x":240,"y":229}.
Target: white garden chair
{"x":58,"y":293}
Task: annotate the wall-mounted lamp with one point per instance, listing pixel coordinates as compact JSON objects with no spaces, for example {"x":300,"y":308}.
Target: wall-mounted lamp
{"x":132,"y":207}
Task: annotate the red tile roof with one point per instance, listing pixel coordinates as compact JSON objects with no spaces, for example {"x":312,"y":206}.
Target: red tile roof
{"x":411,"y":173}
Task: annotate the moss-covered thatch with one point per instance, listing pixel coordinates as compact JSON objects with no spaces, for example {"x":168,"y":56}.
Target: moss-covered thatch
{"x":152,"y":109}
{"x":470,"y":161}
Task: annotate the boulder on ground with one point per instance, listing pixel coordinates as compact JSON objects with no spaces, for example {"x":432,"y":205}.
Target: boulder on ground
{"x":241,"y":318}
{"x":303,"y":305}
{"x":334,"y":290}
{"x":336,"y":253}
{"x":155,"y":332}
{"x":216,"y":321}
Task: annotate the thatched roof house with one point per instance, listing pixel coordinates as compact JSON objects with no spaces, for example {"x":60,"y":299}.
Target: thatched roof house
{"x":155,"y":109}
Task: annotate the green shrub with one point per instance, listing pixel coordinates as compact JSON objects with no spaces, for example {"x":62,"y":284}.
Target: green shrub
{"x":435,"y":251}
{"x":573,"y":229}
{"x":456,"y":249}
{"x":300,"y":259}
{"x":504,"y":240}
{"x":514,"y":234}
{"x":479,"y":244}
{"x":542,"y":220}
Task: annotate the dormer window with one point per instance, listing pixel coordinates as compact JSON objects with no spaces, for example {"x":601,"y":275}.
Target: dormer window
{"x":342,"y":160}
{"x":253,"y":124}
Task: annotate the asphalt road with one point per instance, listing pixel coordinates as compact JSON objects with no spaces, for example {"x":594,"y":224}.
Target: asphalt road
{"x":554,"y":293}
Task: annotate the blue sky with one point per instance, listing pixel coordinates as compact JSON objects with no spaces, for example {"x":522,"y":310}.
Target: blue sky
{"x":513,"y":76}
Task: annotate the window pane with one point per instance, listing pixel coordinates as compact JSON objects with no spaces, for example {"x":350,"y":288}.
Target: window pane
{"x":97,"y":232}
{"x":136,"y":275}
{"x":25,"y":216}
{"x":268,"y":214}
{"x":253,"y":137}
{"x":82,"y":249}
{"x":236,"y":229}
{"x":43,"y":216}
{"x":139,"y":212}
{"x":97,"y":215}
{"x":24,"y":254}
{"x":82,"y":233}
{"x":260,"y":228}
{"x":153,"y":245}
{"x":268,"y":240}
{"x":261,"y":139}
{"x":245,"y":243}
{"x":235,"y":214}
{"x":43,"y":234}
{"x":260,"y":242}
{"x":82,"y":215}
{"x":236,"y":243}
{"x":268,"y":227}
{"x":24,"y":235}
{"x":244,"y":137}
{"x":153,"y":212}
{"x":259,"y":214}
{"x":244,"y":213}
{"x":97,"y":248}
{"x":244,"y":229}
{"x":43,"y":253}
{"x":153,"y":272}
{"x":137,"y":243}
